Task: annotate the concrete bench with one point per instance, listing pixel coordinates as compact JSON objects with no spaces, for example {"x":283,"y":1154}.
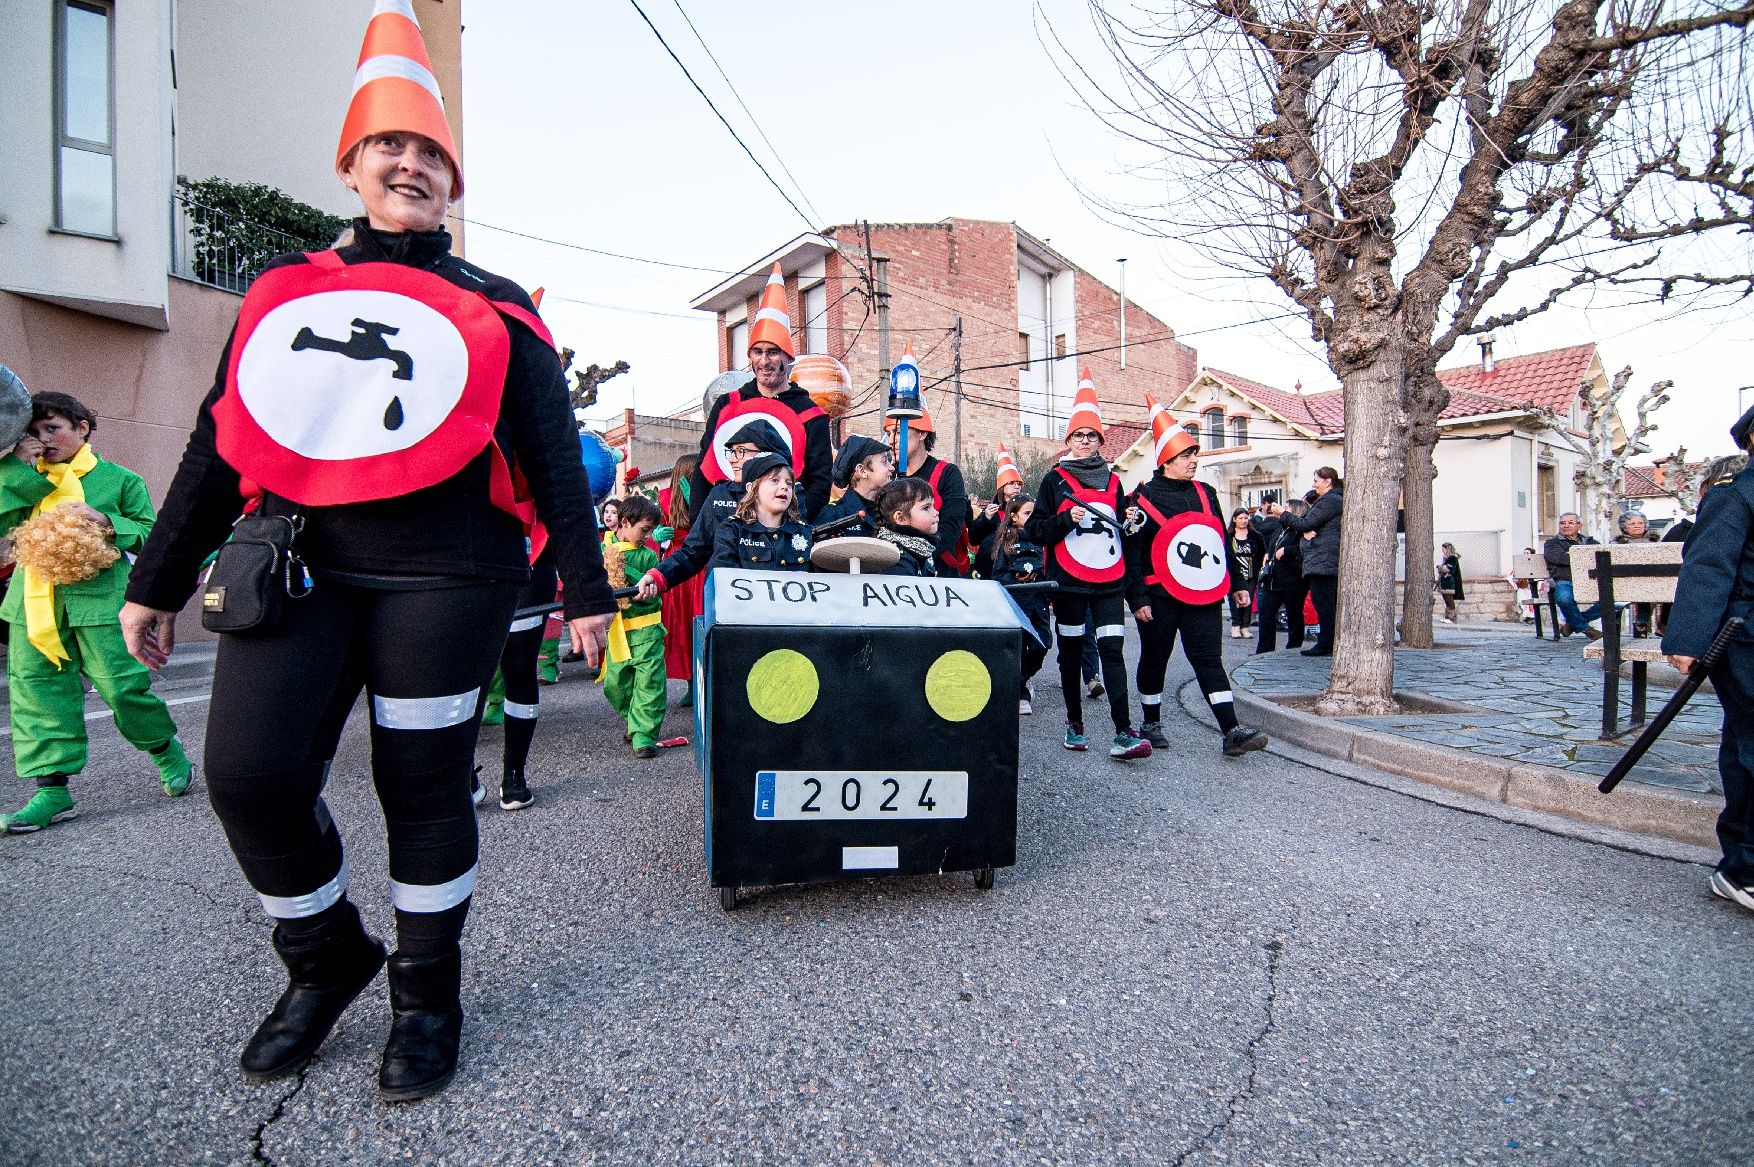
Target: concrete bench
{"x":1532,"y":566}
{"x":1621,"y":573}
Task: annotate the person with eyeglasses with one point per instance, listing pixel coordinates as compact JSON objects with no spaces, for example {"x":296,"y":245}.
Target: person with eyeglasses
{"x":1077,"y":522}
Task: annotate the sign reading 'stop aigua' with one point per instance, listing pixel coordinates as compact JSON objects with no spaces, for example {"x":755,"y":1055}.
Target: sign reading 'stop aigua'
{"x":884,"y":601}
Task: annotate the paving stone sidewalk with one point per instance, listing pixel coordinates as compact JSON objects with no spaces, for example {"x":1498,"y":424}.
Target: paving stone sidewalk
{"x":1532,"y":701}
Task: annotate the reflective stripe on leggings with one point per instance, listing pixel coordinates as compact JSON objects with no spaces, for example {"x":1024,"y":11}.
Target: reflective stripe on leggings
{"x":519,"y":710}
{"x":433,"y":897}
{"x":1105,"y":631}
{"x":424,"y":712}
{"x":309,"y":904}
{"x":527,"y":623}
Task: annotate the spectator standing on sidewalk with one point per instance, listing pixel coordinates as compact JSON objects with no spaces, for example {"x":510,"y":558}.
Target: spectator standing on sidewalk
{"x":1320,"y":529}
{"x":1717,"y":582}
{"x":1243,"y":550}
{"x":1449,"y":581}
{"x":1557,"y":552}
{"x":1282,"y":586}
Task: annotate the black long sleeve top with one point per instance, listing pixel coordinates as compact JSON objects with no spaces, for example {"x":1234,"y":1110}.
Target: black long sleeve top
{"x":1171,"y":496}
{"x":450,"y":529}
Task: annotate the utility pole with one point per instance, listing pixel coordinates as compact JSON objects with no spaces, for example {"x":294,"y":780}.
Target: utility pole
{"x":879,"y":293}
{"x":956,"y":351}
{"x":1123,"y":264}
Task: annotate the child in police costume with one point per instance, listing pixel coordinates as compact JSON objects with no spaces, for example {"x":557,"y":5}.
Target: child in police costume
{"x":1717,"y":582}
{"x":1177,"y":581}
{"x":908,"y":518}
{"x":59,"y":633}
{"x":765,"y":533}
{"x":863,"y":467}
{"x":696,"y":553}
{"x":401,"y":458}
{"x":633,"y":680}
{"x":1017,"y":559}
{"x":1077,"y":520}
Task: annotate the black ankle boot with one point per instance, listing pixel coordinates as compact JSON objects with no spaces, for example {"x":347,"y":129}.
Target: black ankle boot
{"x":426,"y":998}
{"x":324,"y":974}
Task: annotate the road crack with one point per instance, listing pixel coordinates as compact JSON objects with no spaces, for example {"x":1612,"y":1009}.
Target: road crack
{"x":259,"y":1154}
{"x":1275,"y":949}
{"x":228,"y":907}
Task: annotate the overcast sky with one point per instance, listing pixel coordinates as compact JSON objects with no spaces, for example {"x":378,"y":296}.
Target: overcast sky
{"x":581,"y":129}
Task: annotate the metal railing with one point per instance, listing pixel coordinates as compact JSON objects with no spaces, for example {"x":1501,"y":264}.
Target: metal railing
{"x":223,"y":250}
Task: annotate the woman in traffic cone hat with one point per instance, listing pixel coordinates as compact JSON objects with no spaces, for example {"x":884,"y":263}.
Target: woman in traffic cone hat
{"x":405,"y":413}
{"x":1077,"y":520}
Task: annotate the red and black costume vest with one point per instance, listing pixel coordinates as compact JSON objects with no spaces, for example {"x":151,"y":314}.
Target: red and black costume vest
{"x":1187,"y":551}
{"x":1092,"y":553}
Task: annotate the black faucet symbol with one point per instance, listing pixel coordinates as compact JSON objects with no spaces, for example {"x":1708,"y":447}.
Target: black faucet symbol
{"x":366,"y":343}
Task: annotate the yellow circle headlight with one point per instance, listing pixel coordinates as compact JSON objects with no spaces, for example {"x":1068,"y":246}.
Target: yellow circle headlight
{"x":958,"y":685}
{"x":783,"y":686}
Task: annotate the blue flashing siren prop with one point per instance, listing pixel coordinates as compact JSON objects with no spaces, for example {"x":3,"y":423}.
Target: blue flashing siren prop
{"x":904,"y":401}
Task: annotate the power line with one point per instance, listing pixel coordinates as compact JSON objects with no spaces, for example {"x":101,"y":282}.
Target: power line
{"x":717,"y":271}
{"x":798,"y":186}
{"x":808,"y":222}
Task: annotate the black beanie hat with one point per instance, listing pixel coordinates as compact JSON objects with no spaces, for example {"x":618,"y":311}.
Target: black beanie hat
{"x":855,"y":450}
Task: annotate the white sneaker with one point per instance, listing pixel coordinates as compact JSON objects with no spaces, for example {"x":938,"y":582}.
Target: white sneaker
{"x":1722,"y":886}
{"x":1447,"y":620}
{"x":1024,"y":707}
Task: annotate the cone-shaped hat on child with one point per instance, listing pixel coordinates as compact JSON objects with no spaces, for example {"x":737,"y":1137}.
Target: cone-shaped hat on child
{"x":1085,"y":414}
{"x":1007,"y":469}
{"x":915,"y":425}
{"x":394,"y":87}
{"x":773,"y":322}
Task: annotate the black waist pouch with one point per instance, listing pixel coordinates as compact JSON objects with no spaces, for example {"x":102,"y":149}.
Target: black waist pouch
{"x":253,"y":576}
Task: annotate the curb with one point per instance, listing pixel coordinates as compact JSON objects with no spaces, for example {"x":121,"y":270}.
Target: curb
{"x":1677,"y":816}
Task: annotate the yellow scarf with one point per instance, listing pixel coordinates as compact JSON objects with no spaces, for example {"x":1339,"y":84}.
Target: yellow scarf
{"x":39,"y":593}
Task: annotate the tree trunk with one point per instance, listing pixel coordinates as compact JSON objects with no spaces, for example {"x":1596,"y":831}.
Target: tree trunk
{"x":1362,"y":683}
{"x":1421,"y":556}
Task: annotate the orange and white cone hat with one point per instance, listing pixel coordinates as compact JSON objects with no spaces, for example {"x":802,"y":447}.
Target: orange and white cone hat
{"x":536,"y":298}
{"x":394,"y":87}
{"x":1160,"y":427}
{"x":1178,"y":439}
{"x":773,"y":322}
{"x":1007,"y":469}
{"x":1085,"y":414}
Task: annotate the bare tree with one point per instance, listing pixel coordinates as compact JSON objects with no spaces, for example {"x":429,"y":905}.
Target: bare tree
{"x":1680,"y":479}
{"x":1607,"y":446}
{"x":1412,"y":173}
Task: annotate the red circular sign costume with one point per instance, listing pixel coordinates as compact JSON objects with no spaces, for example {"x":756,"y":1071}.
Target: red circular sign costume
{"x":1187,"y":553}
{"x":351,"y":383}
{"x":739,"y":412}
{"x":1092,"y":552}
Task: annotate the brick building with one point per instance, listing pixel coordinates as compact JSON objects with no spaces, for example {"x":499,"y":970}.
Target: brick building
{"x":1030,"y":319}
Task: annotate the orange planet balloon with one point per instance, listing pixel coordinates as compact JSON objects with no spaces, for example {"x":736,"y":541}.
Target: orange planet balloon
{"x":826,"y":380}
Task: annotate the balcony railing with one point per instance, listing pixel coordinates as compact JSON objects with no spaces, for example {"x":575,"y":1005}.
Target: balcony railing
{"x":224,"y":250}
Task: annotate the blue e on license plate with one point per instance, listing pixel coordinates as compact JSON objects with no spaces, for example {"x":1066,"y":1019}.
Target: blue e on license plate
{"x":805,"y":795}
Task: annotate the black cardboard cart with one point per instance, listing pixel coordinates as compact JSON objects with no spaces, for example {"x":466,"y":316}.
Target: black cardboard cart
{"x":852,"y":726}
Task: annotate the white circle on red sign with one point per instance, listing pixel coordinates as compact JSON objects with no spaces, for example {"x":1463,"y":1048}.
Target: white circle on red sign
{"x":351,"y":374}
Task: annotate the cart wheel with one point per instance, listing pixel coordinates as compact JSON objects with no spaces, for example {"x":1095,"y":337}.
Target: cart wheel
{"x":728,"y":898}
{"x":983,"y":878}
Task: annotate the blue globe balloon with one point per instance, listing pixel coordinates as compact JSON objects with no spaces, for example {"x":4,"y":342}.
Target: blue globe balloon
{"x":599,"y":459}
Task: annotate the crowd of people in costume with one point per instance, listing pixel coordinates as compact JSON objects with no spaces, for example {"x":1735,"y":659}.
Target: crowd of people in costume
{"x":451,"y":495}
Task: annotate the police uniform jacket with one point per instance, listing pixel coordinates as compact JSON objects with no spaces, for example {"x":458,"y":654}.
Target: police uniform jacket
{"x":1025,"y":562}
{"x":1717,"y":576}
{"x":451,"y":529}
{"x":850,"y":503}
{"x":751,"y":545}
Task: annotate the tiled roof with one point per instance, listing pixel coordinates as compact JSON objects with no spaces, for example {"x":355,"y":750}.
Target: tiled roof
{"x":1644,"y":481}
{"x":1545,"y":380}
{"x":1321,"y":413}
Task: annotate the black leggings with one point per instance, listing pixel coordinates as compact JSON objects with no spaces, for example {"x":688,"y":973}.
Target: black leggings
{"x":1036,"y":651}
{"x":1072,"y":613}
{"x":517,"y":668}
{"x":1271,"y":603}
{"x":1199,"y":626}
{"x":1325,"y":591}
{"x":280,"y":701}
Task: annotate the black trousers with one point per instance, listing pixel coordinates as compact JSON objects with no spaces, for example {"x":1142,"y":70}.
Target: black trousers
{"x":1272,"y":602}
{"x":517,"y":667}
{"x":1034,"y":651}
{"x":280,"y":701}
{"x":1325,"y":591}
{"x":1200,"y":627}
{"x":1073,"y":614}
{"x":1734,"y":681}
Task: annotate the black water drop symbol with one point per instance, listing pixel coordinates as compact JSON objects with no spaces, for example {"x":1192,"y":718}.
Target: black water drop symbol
{"x":393,"y":414}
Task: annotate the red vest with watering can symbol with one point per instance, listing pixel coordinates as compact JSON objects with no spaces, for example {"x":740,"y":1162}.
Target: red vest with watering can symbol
{"x":1187,"y":553}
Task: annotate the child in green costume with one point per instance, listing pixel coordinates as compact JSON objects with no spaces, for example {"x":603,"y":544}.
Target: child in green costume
{"x":58,"y":633}
{"x":633,"y":677}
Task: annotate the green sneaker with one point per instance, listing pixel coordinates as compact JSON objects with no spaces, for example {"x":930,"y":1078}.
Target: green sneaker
{"x":175,"y":771}
{"x":50,"y":804}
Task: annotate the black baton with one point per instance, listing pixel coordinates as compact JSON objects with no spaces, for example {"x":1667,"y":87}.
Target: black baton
{"x":835,"y":527}
{"x":1695,"y":678}
{"x":1045,"y":585}
{"x":545,"y":609}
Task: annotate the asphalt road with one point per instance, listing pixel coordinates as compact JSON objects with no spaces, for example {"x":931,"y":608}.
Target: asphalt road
{"x":1197,"y":961}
